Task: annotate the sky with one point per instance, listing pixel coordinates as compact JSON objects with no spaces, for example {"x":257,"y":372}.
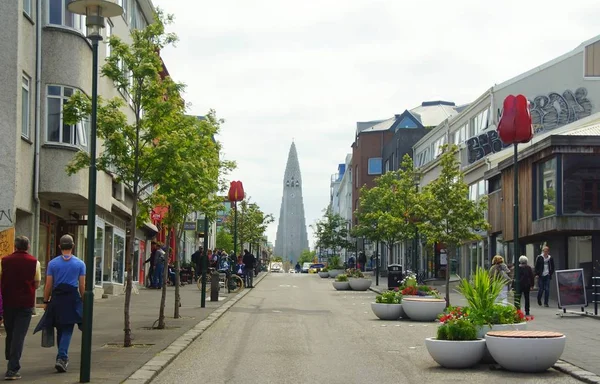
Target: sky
{"x":278,"y":71}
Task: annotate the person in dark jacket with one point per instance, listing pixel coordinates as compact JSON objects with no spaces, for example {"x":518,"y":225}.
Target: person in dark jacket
{"x":544,"y":269}
{"x":152,"y":261}
{"x":526,"y":281}
{"x":63,"y":293}
{"x":20,"y":276}
{"x":362,"y":261}
{"x":249,"y":261}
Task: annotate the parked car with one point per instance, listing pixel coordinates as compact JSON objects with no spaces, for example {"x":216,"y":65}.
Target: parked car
{"x":306,"y":267}
{"x":276,"y":267}
{"x":316,"y":268}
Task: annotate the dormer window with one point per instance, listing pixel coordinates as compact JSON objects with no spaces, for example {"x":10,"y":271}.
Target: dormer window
{"x":592,"y":60}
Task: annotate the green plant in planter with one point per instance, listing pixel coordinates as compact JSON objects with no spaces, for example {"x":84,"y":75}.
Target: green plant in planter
{"x":341,"y":278}
{"x":325,"y":269}
{"x":354,"y":273}
{"x":456,"y":325}
{"x":335,"y":262}
{"x":481,"y":293}
{"x":389,"y":297}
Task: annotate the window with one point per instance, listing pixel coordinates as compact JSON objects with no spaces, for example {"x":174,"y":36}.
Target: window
{"x":56,"y":130}
{"x":437,"y":146}
{"x":25,"y":106}
{"x":423,"y":157}
{"x":27,"y":7}
{"x":547,"y":188}
{"x":580,"y":184}
{"x":480,"y":122}
{"x":592,"y":60}
{"x":109,"y":28}
{"x":460,"y":135}
{"x":374,"y":166}
{"x":134,"y":14}
{"x":387,"y":165}
{"x":118,"y":261}
{"x":477,"y":190}
{"x":58,"y":14}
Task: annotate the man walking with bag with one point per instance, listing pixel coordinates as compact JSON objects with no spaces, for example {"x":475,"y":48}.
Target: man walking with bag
{"x":20,"y":276}
{"x":63,"y":293}
{"x":544,"y":269}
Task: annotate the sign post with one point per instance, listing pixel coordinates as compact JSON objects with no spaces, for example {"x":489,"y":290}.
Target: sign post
{"x":570,"y":285}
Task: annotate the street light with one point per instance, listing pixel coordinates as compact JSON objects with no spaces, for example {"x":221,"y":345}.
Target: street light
{"x":95,"y":12}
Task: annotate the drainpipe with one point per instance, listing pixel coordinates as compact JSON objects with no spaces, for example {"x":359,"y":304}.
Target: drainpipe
{"x":38,"y":127}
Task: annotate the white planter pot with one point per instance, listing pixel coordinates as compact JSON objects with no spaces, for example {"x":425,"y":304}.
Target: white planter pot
{"x":334,"y":272}
{"x":455,"y":354}
{"x":526,"y":354}
{"x":420,"y":309}
{"x":360,"y":284}
{"x":487,"y":357}
{"x":422,"y":297}
{"x":341,"y":285}
{"x":387,"y":311}
{"x":403,"y":314}
{"x":323,"y":275}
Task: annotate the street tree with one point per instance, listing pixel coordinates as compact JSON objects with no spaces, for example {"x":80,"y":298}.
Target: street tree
{"x":332,"y":232}
{"x":307,"y":257}
{"x":388,"y":211}
{"x":224,"y":240}
{"x":192,"y":177}
{"x":252,"y":223}
{"x":129,"y":131}
{"x":447,"y":215}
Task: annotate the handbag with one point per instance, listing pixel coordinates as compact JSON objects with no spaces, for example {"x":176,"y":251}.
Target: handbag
{"x":48,"y":337}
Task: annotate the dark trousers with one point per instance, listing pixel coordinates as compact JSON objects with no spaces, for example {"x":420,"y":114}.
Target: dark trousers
{"x":524,"y":292}
{"x":544,"y":287}
{"x":16,"y":324}
{"x":249,"y":274}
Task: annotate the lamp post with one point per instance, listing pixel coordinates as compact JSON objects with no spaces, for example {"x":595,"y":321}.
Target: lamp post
{"x":95,"y":12}
{"x":416,"y":239}
{"x":204,"y":263}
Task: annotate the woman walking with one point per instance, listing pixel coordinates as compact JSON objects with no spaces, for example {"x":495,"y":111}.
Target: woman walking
{"x":526,"y":282}
{"x":499,"y":269}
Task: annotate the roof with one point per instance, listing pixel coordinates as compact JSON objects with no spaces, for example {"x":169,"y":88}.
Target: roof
{"x":591,"y":130}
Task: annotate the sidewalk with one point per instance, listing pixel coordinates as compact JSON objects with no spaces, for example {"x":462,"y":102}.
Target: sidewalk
{"x":583,"y":333}
{"x":111,"y":363}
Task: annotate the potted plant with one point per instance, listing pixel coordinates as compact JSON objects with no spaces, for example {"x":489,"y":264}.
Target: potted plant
{"x":357,"y":280}
{"x":335,"y":266}
{"x":324,"y":273}
{"x":341,"y":283}
{"x":388,"y":305}
{"x":456,"y":344}
{"x":410,"y":287}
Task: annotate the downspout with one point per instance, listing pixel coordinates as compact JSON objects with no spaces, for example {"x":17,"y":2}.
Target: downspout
{"x":38,"y":127}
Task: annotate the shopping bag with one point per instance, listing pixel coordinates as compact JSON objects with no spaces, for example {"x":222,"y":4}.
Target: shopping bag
{"x":48,"y":337}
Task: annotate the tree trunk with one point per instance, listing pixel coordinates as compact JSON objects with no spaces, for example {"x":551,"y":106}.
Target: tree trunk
{"x":128,"y":268}
{"x":177,"y":281}
{"x":448,"y":279}
{"x":163,"y":298}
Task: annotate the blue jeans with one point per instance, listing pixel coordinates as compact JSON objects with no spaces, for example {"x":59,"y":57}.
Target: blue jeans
{"x":544,"y":287}
{"x":158,"y":275}
{"x":63,"y":338}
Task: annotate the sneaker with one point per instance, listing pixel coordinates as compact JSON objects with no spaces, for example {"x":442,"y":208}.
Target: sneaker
{"x":61,"y":365}
{"x":546,"y":305}
{"x":12,"y":375}
{"x":540,"y":302}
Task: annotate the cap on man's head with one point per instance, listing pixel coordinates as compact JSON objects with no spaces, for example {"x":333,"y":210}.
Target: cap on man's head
{"x":66,"y":242}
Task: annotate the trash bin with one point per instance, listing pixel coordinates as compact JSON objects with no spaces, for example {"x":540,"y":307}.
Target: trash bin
{"x":394,"y":275}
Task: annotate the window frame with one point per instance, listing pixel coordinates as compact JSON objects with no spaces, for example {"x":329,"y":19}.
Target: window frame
{"x":78,"y":132}
{"x":25,"y":115}
{"x":380,"y":166}
{"x":586,"y":51}
{"x":78,"y":20}
{"x":27,"y":7}
{"x":541,"y":182}
{"x":108,"y":33}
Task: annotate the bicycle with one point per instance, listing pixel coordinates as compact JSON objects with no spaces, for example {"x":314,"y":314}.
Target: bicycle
{"x":227,"y":280}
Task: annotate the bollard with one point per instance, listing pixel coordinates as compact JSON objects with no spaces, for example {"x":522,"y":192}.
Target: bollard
{"x":214,"y":286}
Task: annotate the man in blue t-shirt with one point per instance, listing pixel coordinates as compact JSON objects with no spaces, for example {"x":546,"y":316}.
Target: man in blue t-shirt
{"x":65,"y":283}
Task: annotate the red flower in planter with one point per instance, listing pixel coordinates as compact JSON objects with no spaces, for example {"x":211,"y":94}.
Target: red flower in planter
{"x":515,"y":124}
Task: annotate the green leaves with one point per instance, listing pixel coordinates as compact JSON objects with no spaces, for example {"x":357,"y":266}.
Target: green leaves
{"x":332,"y":232}
{"x":252,"y":223}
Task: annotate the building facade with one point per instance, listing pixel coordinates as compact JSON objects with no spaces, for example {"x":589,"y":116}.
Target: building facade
{"x":563,"y":95}
{"x":45,"y":58}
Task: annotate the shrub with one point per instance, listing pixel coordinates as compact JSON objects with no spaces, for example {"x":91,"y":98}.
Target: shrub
{"x":389,"y":297}
{"x":456,"y":325}
{"x":341,"y":278}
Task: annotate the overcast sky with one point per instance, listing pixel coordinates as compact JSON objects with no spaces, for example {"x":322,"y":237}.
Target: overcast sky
{"x":278,"y":70}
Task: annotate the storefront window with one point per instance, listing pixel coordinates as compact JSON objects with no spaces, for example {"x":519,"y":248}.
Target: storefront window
{"x":136,"y":260}
{"x":118,"y":263}
{"x":580,"y":256}
{"x":99,"y":253}
{"x":547,"y":188}
{"x":581,"y":190}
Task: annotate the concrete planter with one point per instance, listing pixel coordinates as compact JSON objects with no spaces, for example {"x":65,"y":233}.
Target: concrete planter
{"x":360,"y":284}
{"x":487,"y":357}
{"x":455,"y":354}
{"x":421,"y":309}
{"x":341,"y":285}
{"x":526,"y":354}
{"x":323,"y":275}
{"x":334,"y":272}
{"x":387,"y":311}
{"x":422,"y":297}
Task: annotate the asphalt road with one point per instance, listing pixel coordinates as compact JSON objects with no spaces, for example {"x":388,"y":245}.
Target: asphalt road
{"x":298,"y":329}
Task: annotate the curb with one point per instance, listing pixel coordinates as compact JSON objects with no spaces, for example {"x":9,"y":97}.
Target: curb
{"x":152,"y":368}
{"x":561,"y":365}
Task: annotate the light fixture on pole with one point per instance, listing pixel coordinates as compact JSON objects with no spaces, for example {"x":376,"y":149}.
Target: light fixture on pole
{"x":95,"y":12}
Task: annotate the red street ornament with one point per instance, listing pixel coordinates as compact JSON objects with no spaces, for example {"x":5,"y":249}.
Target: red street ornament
{"x":236,"y":191}
{"x":515,"y":124}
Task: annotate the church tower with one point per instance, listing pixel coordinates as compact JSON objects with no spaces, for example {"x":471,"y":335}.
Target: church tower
{"x":292,"y":237}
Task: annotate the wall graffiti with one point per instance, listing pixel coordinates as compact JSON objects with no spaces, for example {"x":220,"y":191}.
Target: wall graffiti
{"x":5,"y":217}
{"x":7,"y":241}
{"x":482,"y":145}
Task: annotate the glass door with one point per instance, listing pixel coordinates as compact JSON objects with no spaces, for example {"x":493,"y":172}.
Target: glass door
{"x":118,"y":264}
{"x":99,"y":253}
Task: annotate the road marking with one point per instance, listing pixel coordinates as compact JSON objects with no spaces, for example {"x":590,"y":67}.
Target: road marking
{"x":275,"y":311}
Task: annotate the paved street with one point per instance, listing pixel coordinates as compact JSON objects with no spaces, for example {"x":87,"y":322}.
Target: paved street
{"x":297,"y":329}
